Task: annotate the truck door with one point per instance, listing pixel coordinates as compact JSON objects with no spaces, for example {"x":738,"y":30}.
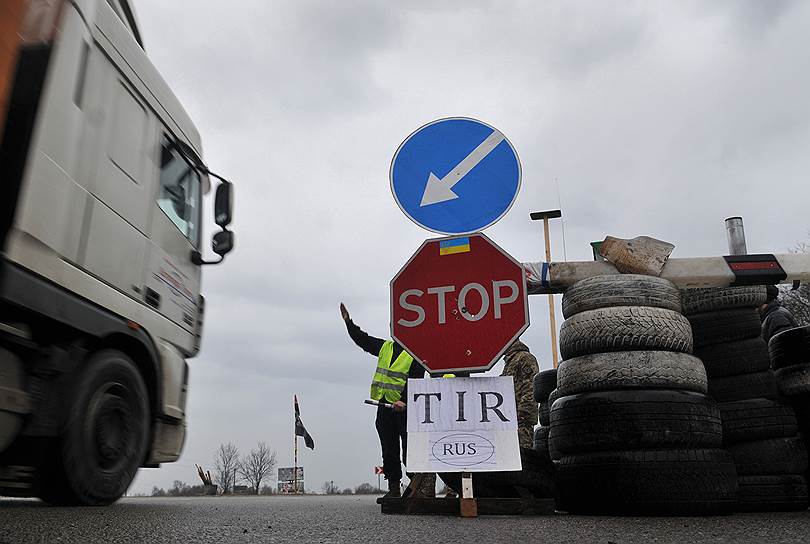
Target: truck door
{"x":120,"y":137}
{"x":172,"y":281}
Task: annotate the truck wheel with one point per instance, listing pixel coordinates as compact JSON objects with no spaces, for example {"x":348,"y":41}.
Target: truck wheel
{"x":744,"y":386}
{"x":756,"y":419}
{"x":624,"y":328}
{"x":790,"y":347}
{"x":634,"y":419}
{"x":620,"y":290}
{"x":711,"y":299}
{"x":732,"y":358}
{"x":725,"y":326}
{"x":544,"y":384}
{"x":631,"y":370}
{"x":105,"y":436}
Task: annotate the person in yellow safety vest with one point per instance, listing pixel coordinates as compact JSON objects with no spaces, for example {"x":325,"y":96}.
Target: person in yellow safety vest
{"x":389,"y":385}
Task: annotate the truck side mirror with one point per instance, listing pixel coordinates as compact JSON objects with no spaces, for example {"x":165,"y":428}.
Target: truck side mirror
{"x":222,"y":242}
{"x":222,"y":205}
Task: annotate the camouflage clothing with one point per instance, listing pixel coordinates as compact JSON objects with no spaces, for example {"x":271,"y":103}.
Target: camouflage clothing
{"x":522,"y":366}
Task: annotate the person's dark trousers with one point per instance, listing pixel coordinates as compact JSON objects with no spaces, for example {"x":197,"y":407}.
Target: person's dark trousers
{"x":392,"y":427}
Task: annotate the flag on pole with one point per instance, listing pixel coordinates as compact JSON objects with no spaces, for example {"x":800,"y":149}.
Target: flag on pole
{"x":300,"y":430}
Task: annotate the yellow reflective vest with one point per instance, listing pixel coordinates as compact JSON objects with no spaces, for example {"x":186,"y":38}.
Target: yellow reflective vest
{"x":390,"y":378}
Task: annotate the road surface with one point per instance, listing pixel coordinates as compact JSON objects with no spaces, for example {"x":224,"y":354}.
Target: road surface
{"x":346,"y":519}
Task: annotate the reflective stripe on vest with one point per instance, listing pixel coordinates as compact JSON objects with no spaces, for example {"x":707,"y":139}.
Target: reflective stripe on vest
{"x":390,"y":378}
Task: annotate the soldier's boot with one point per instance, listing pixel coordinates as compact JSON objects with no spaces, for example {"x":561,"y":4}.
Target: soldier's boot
{"x":393,"y":490}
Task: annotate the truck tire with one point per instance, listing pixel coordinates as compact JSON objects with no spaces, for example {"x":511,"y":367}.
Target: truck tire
{"x":793,"y":380}
{"x":773,"y":456}
{"x":631,"y":370}
{"x":542,"y":414}
{"x":552,"y":398}
{"x":725,"y":326}
{"x":730,"y":358}
{"x":778,"y":493}
{"x":790,"y":347}
{"x":620,"y":290}
{"x":634,"y":419}
{"x":624,"y":328}
{"x":702,"y":300}
{"x":105,"y":437}
{"x":540,"y":442}
{"x":544,"y":384}
{"x":648,"y":482}
{"x":756,"y":419}
{"x":744,"y":386}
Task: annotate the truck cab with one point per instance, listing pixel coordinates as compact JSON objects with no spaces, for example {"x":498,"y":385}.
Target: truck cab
{"x":101,"y":197}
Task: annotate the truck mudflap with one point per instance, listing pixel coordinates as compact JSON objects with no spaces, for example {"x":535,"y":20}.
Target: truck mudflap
{"x":168,"y":438}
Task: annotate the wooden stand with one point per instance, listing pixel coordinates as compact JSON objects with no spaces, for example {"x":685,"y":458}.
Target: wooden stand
{"x":452,"y":506}
{"x":467,"y":506}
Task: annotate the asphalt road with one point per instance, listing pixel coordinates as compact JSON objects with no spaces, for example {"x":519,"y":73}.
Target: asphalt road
{"x":340,"y":519}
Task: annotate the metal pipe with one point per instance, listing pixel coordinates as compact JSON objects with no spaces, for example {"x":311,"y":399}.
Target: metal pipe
{"x":735,"y":234}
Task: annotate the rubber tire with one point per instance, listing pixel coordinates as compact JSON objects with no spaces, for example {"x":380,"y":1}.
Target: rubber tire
{"x":756,"y":419}
{"x":552,"y":398}
{"x":631,"y":370}
{"x":777,"y":493}
{"x":744,"y":386}
{"x":773,"y":456}
{"x":540,"y":442}
{"x":625,"y":328}
{"x":620,"y":290}
{"x":702,"y":300}
{"x":790,"y":347}
{"x":536,"y":479}
{"x":725,"y":326}
{"x":542,"y":414}
{"x":648,"y":482}
{"x":793,"y":380}
{"x":634,"y":419}
{"x":544,"y":384}
{"x":77,"y":478}
{"x":730,"y":358}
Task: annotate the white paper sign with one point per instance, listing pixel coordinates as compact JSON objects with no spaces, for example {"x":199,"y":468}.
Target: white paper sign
{"x":462,"y":425}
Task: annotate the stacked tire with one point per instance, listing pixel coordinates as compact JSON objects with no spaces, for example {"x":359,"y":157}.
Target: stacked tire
{"x":759,"y":430}
{"x":790,"y":359}
{"x":632,"y":431}
{"x":544,"y":383}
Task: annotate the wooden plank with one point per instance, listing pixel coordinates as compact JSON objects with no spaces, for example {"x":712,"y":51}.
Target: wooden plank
{"x":450,"y":506}
{"x":685,"y":273}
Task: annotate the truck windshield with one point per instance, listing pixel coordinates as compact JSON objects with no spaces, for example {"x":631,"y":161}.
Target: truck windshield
{"x":179,"y":193}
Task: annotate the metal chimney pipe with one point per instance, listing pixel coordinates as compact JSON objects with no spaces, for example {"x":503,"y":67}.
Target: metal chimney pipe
{"x":735,"y":234}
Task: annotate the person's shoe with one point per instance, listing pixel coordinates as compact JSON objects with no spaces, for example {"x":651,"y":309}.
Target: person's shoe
{"x":393,"y":490}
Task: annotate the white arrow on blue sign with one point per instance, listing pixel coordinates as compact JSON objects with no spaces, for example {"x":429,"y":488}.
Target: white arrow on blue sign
{"x":455,"y":176}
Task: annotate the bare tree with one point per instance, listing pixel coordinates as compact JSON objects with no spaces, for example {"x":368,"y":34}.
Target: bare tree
{"x":226,"y":462}
{"x":329,"y":488}
{"x":257,"y":466}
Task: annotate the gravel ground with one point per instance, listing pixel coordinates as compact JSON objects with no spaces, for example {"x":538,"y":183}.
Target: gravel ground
{"x":342,"y":519}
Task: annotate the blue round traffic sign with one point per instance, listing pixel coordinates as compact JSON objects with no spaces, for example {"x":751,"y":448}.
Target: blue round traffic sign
{"x":455,"y":176}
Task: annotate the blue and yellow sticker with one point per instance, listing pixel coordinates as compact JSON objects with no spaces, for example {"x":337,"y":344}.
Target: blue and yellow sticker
{"x":456,"y":245}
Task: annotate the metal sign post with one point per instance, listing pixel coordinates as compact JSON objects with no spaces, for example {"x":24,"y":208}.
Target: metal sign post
{"x":545,"y":216}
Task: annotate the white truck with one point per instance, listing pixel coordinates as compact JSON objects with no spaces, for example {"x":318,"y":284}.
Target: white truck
{"x":101,"y":187}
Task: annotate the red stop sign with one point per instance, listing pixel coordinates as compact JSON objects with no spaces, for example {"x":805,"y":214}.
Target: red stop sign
{"x":458,"y":303}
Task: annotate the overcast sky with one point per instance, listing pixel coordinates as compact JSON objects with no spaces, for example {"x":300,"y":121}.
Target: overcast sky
{"x":647,"y":118}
